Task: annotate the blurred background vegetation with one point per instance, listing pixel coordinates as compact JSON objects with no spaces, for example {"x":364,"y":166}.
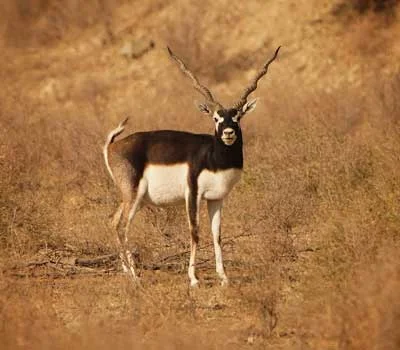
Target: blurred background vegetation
{"x":310,"y":234}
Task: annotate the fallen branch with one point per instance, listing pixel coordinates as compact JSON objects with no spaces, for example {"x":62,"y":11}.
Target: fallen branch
{"x":59,"y":263}
{"x":97,"y":261}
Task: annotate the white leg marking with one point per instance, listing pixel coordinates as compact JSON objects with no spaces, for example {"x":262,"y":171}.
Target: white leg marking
{"x":193,"y":227}
{"x":214,"y":213}
{"x":122,"y":258}
{"x":117,"y":216}
{"x":142,"y":188}
{"x":191,"y":272}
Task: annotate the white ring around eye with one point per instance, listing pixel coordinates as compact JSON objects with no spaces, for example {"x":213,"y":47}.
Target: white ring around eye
{"x":236,"y":118}
{"x":217,"y":119}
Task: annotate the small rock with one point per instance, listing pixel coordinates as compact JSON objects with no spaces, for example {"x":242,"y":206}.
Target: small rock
{"x":250,"y":339}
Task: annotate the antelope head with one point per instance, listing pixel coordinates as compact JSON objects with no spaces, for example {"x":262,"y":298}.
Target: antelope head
{"x":227,"y":120}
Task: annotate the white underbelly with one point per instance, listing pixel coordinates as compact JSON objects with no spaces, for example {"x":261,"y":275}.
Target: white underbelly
{"x":166,"y":184}
{"x":217,"y":185}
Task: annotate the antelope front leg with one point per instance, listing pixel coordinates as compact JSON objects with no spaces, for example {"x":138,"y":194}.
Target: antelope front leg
{"x":192,"y":207}
{"x":214,"y":213}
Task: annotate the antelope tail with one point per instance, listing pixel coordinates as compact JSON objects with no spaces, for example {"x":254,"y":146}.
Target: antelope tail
{"x":110,"y":139}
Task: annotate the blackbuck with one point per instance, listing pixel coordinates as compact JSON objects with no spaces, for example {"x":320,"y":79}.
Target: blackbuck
{"x":166,"y":167}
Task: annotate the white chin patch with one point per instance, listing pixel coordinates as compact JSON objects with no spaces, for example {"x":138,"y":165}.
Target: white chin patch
{"x":229,"y":141}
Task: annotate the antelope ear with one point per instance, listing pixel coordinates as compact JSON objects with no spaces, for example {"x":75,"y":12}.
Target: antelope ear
{"x":249,"y":106}
{"x":204,"y":108}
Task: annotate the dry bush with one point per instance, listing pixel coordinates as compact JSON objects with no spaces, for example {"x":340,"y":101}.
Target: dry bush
{"x":44,"y":22}
{"x":380,"y":14}
{"x":45,"y":154}
{"x":318,"y":200}
{"x":366,"y":26}
{"x":356,"y":187}
{"x":374,"y":5}
{"x":370,"y":307}
{"x":363,"y":6}
{"x":191,"y":35}
{"x":190,"y":32}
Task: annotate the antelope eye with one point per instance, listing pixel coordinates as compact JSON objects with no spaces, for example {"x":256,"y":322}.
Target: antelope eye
{"x":216,"y":120}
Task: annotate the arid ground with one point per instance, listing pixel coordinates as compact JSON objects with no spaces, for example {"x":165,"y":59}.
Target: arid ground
{"x":311,"y":234}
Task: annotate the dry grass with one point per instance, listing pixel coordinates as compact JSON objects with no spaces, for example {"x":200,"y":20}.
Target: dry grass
{"x":310,"y":234}
{"x":44,"y":22}
{"x":387,"y":7}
